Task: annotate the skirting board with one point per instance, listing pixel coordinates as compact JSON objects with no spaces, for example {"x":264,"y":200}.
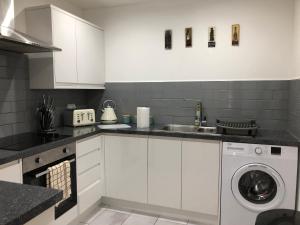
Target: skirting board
{"x":87,"y":215}
{"x":158,"y":211}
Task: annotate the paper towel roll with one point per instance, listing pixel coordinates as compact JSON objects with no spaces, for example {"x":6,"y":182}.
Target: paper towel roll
{"x":143,"y":117}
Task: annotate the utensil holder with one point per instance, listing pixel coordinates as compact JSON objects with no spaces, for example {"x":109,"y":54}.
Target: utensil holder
{"x":47,"y":120}
{"x":46,"y":115}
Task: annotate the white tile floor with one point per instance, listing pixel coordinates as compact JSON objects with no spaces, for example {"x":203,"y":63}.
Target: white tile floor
{"x":114,"y":217}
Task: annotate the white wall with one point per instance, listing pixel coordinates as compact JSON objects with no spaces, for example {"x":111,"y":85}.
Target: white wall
{"x":134,"y":40}
{"x":20,"y":5}
{"x":296,"y":42}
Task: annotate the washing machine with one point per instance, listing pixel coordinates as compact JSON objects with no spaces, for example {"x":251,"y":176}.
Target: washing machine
{"x":256,"y":178}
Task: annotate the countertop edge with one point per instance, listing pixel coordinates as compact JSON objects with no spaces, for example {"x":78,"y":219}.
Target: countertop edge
{"x":147,"y":132}
{"x":22,"y":202}
{"x":36,"y":211}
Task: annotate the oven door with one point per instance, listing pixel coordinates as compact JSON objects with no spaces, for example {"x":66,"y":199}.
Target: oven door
{"x":38,"y":177}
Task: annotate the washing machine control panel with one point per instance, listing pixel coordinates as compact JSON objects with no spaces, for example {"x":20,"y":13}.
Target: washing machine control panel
{"x":256,"y":150}
{"x":240,"y":149}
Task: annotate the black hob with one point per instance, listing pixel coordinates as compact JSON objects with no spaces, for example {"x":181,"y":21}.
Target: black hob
{"x":24,"y":141}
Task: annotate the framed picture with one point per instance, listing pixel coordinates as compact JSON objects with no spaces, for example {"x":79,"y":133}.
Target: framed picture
{"x":236,"y":32}
{"x":168,"y":39}
{"x":212,"y":37}
{"x":188,"y":37}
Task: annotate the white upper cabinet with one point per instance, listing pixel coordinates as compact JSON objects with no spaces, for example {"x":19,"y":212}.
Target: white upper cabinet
{"x":90,"y":54}
{"x":64,"y":36}
{"x":80,"y":64}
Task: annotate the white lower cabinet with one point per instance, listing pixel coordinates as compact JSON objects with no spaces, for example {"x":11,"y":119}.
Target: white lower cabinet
{"x":89,"y":177}
{"x":200,"y":176}
{"x":126,"y":167}
{"x":48,"y":217}
{"x":90,"y":172}
{"x":180,"y":174}
{"x":175,"y":173}
{"x":164,"y":172}
{"x":11,"y":172}
{"x":45,"y":218}
{"x":89,"y":196}
{"x":89,"y":161}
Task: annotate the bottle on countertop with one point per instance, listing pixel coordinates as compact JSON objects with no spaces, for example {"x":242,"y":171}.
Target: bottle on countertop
{"x":204,"y":122}
{"x":198,"y":116}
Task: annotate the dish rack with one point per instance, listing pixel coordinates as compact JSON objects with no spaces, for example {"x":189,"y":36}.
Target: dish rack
{"x":246,"y":128}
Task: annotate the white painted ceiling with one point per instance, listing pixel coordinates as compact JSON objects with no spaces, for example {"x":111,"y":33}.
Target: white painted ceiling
{"x":89,"y":4}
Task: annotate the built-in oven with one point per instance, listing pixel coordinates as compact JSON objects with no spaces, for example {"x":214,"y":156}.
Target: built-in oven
{"x":37,"y":171}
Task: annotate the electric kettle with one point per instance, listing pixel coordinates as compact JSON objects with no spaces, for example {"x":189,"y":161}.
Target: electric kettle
{"x":108,"y":112}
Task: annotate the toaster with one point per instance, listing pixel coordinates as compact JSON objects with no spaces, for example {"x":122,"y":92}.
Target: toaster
{"x":79,"y":117}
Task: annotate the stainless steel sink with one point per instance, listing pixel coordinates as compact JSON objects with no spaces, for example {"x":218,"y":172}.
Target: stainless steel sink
{"x":211,"y":130}
{"x":189,"y":129}
{"x":180,"y":128}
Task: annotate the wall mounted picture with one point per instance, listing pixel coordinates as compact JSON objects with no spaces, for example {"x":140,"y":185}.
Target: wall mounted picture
{"x":188,"y":37}
{"x":212,"y":37}
{"x":236,"y":29}
{"x":168,"y":39}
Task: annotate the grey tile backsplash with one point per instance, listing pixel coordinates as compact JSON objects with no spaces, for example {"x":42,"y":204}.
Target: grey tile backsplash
{"x":265,"y":101}
{"x":294,"y":107}
{"x":18,"y":103}
{"x":274,"y":104}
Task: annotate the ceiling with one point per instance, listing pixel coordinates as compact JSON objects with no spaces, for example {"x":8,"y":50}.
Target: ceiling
{"x":89,"y":4}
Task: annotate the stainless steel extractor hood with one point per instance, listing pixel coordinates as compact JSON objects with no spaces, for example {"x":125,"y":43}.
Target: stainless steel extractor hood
{"x":15,"y":41}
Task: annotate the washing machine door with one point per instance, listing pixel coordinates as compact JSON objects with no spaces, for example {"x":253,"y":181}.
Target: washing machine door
{"x":258,"y":187}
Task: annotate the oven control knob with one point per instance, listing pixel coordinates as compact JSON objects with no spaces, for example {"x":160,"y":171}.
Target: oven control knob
{"x":66,"y":150}
{"x":38,"y":160}
{"x":258,"y":150}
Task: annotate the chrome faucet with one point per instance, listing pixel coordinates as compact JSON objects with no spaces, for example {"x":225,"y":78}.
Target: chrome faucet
{"x":198,"y":117}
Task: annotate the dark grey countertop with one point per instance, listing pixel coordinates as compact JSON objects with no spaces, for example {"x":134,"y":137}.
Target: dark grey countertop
{"x":20,"y":203}
{"x":267,"y":137}
{"x":73,"y":133}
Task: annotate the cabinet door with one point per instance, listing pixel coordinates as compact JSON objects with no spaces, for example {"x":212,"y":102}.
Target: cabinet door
{"x":164,"y":172}
{"x":11,"y":172}
{"x":200,"y":176}
{"x":126,"y":167}
{"x":64,"y":37}
{"x":90,"y":54}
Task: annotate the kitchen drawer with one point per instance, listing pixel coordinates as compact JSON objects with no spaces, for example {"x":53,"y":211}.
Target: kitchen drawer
{"x":88,"y":161}
{"x":87,"y":146}
{"x":89,"y":177}
{"x":89,"y":196}
{"x":11,"y":172}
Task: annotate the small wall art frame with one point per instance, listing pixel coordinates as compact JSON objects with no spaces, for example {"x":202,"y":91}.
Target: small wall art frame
{"x":235,"y":34}
{"x":189,"y":37}
{"x":168,"y":39}
{"x":212,"y":37}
